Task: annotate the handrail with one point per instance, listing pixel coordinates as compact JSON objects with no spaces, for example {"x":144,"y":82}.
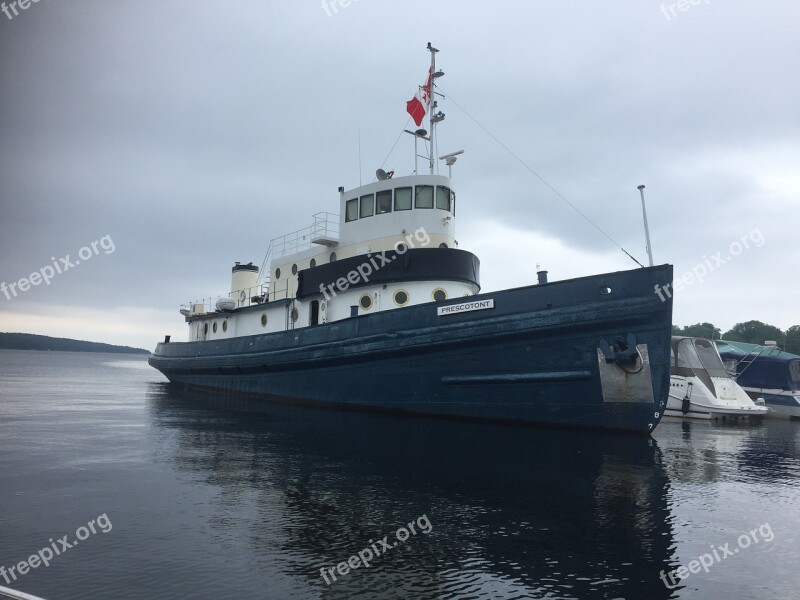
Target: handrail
{"x":16,"y":595}
{"x":324,"y":229}
{"x":326,"y":225}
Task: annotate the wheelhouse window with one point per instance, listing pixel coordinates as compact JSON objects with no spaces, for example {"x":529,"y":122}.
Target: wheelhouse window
{"x":384,"y":201}
{"x":453,"y":202}
{"x":351,"y":210}
{"x":442,"y":198}
{"x":402,"y":198}
{"x":424,"y":198}
{"x":367,"y":206}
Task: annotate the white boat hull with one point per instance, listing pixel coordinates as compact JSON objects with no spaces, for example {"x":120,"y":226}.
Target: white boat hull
{"x":730,"y":401}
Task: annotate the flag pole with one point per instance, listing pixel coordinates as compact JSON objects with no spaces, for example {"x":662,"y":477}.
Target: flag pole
{"x":646,"y":228}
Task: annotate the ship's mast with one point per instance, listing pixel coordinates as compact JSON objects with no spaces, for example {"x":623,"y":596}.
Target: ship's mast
{"x":433,"y":116}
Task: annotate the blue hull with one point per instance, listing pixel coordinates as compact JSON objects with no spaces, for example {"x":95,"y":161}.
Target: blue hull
{"x":535,"y":357}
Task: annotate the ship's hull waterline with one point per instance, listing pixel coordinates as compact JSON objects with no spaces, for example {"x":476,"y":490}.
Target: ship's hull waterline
{"x":526,"y":355}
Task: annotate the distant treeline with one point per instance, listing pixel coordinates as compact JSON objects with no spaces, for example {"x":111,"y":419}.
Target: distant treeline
{"x":752,"y":332}
{"x":28,"y":341}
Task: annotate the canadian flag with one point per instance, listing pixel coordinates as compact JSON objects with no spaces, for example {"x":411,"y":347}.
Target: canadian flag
{"x":418,"y":106}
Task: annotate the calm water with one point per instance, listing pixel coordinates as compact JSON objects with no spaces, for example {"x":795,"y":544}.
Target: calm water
{"x":207,"y":497}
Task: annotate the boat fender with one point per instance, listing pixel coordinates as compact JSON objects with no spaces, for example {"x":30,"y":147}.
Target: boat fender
{"x":686,"y":399}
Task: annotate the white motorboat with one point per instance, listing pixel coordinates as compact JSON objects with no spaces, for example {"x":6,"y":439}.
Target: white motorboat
{"x":701,"y":387}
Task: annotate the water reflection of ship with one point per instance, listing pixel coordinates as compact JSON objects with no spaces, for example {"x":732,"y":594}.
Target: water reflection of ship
{"x":515,"y":511}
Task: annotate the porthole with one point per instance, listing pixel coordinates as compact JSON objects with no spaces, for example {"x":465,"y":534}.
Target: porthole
{"x":294,"y":315}
{"x":443,"y":245}
{"x":224,"y":326}
{"x":605,"y":290}
{"x":278,"y":273}
{"x":400,"y":248}
{"x":333,"y":256}
{"x":366,"y":301}
{"x":400,"y":297}
{"x":264,"y":320}
{"x":294,"y":269}
{"x":313,"y":262}
{"x":215,"y":327}
{"x":438,"y":295}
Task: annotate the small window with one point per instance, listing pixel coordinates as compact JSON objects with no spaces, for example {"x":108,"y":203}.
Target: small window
{"x":442,"y":198}
{"x":402,"y":198}
{"x":313,"y":262}
{"x":278,"y":273}
{"x":366,"y":301}
{"x":438,"y":295}
{"x":367,"y":206}
{"x":264,"y":320}
{"x":294,"y":315}
{"x":215,"y":327}
{"x":424,"y":197}
{"x":400,"y":297}
{"x":294,"y":269}
{"x":384,"y":202}
{"x":224,"y":326}
{"x":205,"y":328}
{"x":333,"y":256}
{"x":351,"y":210}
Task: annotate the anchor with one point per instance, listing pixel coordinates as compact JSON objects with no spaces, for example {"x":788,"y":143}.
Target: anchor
{"x":622,"y":353}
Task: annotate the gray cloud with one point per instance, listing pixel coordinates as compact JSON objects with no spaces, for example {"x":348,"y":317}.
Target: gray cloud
{"x":193,"y":132}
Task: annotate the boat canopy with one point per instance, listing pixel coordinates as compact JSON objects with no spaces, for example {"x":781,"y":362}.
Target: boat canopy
{"x":699,"y":355}
{"x":762,"y":367}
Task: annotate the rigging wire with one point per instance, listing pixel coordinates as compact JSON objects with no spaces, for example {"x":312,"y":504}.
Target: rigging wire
{"x":402,"y":130}
{"x":540,"y":178}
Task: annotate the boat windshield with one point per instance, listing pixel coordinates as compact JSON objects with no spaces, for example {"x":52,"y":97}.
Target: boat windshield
{"x":709,"y":356}
{"x":687,"y":356}
{"x":699,"y":354}
{"x":794,"y":371}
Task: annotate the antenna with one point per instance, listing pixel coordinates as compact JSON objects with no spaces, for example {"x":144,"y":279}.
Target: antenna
{"x":359,"y":156}
{"x":450,"y":160}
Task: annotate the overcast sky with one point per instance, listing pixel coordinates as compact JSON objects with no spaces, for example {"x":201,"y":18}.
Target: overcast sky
{"x":187,"y":134}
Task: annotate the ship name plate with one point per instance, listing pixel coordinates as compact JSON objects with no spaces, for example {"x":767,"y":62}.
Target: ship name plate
{"x":465,"y":307}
